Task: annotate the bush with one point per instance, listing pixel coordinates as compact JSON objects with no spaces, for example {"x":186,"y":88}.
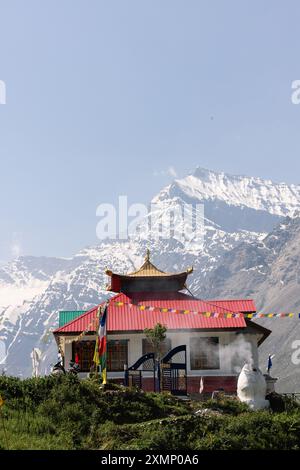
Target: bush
{"x":228,"y":405}
{"x":66,"y":413}
{"x":291,"y":403}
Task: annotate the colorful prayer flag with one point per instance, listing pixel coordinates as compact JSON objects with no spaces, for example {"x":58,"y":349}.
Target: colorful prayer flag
{"x":102,"y":345}
{"x":269,"y":363}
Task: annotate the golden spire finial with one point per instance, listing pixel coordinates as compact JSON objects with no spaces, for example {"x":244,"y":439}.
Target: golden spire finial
{"x":147,"y":257}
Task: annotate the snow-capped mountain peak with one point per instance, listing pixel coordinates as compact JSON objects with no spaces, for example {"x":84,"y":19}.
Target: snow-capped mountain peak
{"x":256,"y":193}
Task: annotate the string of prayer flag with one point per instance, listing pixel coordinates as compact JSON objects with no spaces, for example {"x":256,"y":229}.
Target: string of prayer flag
{"x":143,"y":307}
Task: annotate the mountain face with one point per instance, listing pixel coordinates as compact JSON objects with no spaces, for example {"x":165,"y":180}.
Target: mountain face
{"x":269,"y":271}
{"x":246,"y":233}
{"x":237,"y":202}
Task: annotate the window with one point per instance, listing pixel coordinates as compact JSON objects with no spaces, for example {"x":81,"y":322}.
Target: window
{"x":165,"y":346}
{"x":117,"y":355}
{"x":204,"y":353}
{"x":85,"y":353}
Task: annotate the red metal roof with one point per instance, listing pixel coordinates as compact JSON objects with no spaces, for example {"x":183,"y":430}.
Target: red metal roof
{"x":131,"y":318}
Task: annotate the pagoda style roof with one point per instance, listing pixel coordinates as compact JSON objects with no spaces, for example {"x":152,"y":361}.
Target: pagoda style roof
{"x":148,"y":278}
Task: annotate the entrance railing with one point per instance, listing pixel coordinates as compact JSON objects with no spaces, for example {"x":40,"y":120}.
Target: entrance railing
{"x":173,"y":371}
{"x":171,"y":375}
{"x":141,"y":369}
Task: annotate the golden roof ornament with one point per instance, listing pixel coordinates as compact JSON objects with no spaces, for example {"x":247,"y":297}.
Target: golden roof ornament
{"x":159,"y":280}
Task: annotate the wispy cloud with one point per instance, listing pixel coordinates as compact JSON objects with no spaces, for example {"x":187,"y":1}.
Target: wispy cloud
{"x":170,"y":171}
{"x":16,"y":245}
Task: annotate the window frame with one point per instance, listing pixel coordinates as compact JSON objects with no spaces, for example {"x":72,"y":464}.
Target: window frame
{"x":121,"y":368}
{"x":210,"y":365}
{"x":81,"y":345}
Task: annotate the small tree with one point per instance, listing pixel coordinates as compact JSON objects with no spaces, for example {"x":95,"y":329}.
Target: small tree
{"x":156,"y":336}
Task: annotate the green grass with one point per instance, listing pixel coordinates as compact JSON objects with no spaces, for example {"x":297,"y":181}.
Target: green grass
{"x":65,"y":413}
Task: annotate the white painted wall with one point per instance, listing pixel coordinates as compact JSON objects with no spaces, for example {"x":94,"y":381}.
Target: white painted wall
{"x":229,"y":351}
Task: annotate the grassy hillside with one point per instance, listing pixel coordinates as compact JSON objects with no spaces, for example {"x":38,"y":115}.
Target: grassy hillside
{"x":65,"y":413}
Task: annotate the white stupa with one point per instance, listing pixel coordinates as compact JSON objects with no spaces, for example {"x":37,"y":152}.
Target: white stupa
{"x":252,"y":388}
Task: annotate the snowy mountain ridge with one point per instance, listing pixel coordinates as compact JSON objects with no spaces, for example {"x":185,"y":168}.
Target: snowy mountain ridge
{"x":253,"y":192}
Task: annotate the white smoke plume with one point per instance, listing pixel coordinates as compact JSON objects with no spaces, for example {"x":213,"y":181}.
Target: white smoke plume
{"x":236,"y":353}
{"x":239,"y":352}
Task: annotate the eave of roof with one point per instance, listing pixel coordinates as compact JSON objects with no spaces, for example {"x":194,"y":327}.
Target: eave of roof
{"x":261,"y":329}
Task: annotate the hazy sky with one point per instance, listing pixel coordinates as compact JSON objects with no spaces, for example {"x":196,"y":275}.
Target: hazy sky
{"x":116,"y":97}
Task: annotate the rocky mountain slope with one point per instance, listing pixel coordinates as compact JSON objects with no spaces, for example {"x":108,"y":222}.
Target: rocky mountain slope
{"x":269,"y":271}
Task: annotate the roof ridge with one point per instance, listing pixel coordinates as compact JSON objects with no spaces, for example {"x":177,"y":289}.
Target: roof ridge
{"x":147,"y":266}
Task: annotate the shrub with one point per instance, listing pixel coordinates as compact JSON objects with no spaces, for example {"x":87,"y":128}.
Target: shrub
{"x":64,"y":412}
{"x":228,"y":405}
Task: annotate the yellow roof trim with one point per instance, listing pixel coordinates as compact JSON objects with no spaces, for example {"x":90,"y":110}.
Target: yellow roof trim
{"x":148,"y":269}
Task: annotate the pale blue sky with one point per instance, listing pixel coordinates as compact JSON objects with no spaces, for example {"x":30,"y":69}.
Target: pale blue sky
{"x":104,"y":96}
